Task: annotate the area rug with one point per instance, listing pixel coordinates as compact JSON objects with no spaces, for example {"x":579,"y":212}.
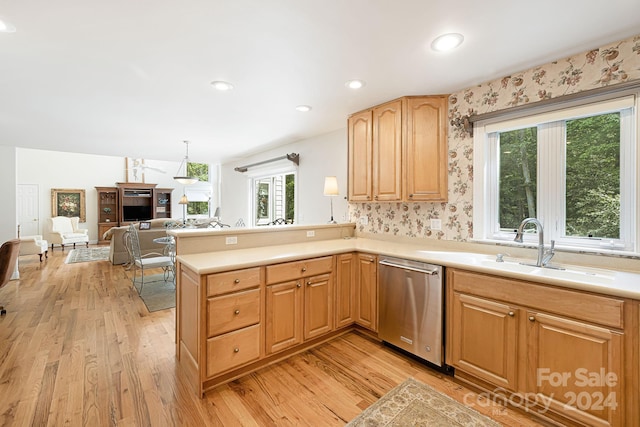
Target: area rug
{"x":413,"y":403}
{"x":100,"y":253}
{"x":156,"y":293}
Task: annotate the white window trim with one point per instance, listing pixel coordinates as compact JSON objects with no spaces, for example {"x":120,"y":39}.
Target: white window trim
{"x":485,"y":201}
{"x":266,"y":172}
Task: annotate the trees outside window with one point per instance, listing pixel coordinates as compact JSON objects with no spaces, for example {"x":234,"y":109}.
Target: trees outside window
{"x":572,"y":169}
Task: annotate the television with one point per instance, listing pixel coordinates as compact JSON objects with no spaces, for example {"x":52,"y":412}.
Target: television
{"x":136,"y":213}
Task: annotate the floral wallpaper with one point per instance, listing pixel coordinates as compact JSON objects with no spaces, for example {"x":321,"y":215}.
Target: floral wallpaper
{"x":606,"y":66}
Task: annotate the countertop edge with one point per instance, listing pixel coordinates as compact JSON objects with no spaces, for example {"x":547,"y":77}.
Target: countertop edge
{"x":214,"y":262}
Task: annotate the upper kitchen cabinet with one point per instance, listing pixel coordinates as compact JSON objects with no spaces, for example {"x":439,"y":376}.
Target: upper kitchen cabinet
{"x":360,"y":156}
{"x":398,"y":151}
{"x":426,"y":148}
{"x":387,"y":152}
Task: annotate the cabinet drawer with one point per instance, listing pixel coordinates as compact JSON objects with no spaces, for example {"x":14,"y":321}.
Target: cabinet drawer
{"x":230,"y":350}
{"x":293,"y":270}
{"x":232,"y":281}
{"x":234,"y":311}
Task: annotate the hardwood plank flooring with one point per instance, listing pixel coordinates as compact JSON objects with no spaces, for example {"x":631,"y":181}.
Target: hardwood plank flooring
{"x":79,"y":348}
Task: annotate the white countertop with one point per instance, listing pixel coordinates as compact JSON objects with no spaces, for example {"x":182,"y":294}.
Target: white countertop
{"x":609,"y":282}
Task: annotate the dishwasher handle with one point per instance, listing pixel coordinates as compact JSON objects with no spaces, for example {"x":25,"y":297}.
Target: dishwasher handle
{"x":411,"y":268}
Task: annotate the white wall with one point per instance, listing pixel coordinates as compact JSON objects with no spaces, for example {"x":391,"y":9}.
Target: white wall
{"x":321,"y":156}
{"x":9,"y":223}
{"x":54,"y":169}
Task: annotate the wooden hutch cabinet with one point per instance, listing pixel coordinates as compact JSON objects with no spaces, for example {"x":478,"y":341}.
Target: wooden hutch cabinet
{"x":131,"y":202}
{"x":107,"y":210}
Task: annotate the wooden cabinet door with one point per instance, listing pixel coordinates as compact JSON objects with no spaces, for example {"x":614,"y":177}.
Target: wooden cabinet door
{"x":484,"y":339}
{"x":345,"y":296}
{"x":575,"y":364}
{"x":367,"y":292}
{"x":283,"y":316}
{"x":360,"y":157}
{"x":426,"y":148}
{"x":318,"y":307}
{"x":387,"y":151}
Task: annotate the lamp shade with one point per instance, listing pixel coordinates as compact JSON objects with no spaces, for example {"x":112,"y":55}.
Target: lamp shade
{"x":331,"y":186}
{"x":183,"y":200}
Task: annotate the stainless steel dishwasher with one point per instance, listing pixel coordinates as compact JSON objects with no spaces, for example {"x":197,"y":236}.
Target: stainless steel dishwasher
{"x":411,"y":307}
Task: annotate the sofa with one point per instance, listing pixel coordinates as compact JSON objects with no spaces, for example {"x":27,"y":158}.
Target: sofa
{"x":118,"y":253}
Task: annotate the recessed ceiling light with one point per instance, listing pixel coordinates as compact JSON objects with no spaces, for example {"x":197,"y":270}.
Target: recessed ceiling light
{"x":447,"y":42}
{"x":355,"y":84}
{"x":303,"y":108}
{"x":6,"y":27}
{"x":221,"y":85}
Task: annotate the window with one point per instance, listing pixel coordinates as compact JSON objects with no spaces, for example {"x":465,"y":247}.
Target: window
{"x":274,"y":198}
{"x":574,"y":169}
{"x":198,"y":194}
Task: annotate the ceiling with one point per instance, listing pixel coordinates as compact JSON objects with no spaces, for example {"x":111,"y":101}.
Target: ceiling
{"x":132,"y":78}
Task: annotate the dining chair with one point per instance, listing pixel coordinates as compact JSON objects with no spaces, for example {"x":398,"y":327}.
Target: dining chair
{"x":146,"y":261}
{"x":8,"y":255}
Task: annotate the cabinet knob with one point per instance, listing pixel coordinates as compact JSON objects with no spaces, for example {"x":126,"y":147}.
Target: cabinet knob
{"x":236,"y":281}
{"x":236,"y":350}
{"x":304,"y":269}
{"x":375,"y":197}
{"x":309,"y":283}
{"x":532,"y":319}
{"x":511,"y":313}
{"x":410,"y":196}
{"x":236,"y":312}
{"x":298,"y":285}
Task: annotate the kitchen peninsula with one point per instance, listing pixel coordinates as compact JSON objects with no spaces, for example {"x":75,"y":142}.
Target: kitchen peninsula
{"x":286,"y":289}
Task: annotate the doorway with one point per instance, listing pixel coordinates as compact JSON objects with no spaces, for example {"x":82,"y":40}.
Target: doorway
{"x":28,"y":209}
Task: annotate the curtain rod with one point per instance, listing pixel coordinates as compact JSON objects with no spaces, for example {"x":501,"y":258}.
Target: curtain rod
{"x":294,"y":157}
{"x":466,"y":122}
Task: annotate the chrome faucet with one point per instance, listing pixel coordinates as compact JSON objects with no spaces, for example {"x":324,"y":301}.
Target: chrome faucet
{"x":543,"y":256}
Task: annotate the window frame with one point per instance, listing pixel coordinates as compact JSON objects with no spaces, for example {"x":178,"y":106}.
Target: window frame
{"x":270,"y":172}
{"x":550,"y":123}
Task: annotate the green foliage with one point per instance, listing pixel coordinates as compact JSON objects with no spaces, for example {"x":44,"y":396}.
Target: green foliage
{"x":199,"y":170}
{"x":518,"y":173}
{"x":592,"y":176}
{"x":198,"y":208}
{"x":290,"y":186}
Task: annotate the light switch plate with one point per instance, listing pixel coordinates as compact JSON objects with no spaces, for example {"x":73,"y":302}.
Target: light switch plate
{"x":232,"y":240}
{"x":436,"y":224}
{"x":364,"y":220}
{"x":311,"y":233}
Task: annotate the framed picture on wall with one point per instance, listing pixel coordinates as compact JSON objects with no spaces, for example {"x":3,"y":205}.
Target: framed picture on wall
{"x":134,"y":170}
{"x":69,"y":203}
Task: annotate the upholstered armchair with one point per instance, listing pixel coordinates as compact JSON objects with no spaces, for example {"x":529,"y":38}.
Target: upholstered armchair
{"x":62,"y":231}
{"x":34,"y":245}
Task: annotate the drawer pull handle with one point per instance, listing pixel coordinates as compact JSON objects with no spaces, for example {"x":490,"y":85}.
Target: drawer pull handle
{"x":532,"y":319}
{"x":236,"y":350}
{"x":304,"y":269}
{"x":298,"y":285}
{"x":236,"y":312}
{"x":511,"y":313}
{"x":236,"y":281}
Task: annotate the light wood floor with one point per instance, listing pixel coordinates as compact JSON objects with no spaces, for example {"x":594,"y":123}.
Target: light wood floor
{"x":78,"y":347}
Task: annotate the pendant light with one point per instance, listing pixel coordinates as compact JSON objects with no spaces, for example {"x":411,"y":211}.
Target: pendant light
{"x":184,"y":178}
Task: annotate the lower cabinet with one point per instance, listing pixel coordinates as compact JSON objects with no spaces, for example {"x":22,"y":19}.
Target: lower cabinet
{"x":345,"y":289}
{"x":283,"y":316}
{"x":367,"y":292}
{"x":557,"y":352}
{"x":299,"y":302}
